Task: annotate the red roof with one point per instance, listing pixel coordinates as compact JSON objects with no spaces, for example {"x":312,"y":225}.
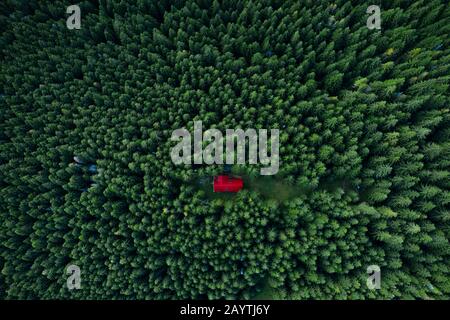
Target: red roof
{"x":227,"y":184}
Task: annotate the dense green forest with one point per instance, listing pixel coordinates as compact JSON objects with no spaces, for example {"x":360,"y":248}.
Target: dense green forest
{"x":86,"y":176}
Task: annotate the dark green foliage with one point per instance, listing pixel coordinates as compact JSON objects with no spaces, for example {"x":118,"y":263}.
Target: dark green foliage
{"x":364,"y":123}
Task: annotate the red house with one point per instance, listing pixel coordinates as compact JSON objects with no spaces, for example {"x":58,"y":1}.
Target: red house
{"x":227,"y":184}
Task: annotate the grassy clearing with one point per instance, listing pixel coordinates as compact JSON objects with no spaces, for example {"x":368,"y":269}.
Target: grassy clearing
{"x":270,"y":187}
{"x":266,"y":293}
{"x":273,"y":188}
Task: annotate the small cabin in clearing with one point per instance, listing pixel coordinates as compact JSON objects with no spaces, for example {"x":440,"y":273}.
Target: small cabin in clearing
{"x":227,"y":184}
